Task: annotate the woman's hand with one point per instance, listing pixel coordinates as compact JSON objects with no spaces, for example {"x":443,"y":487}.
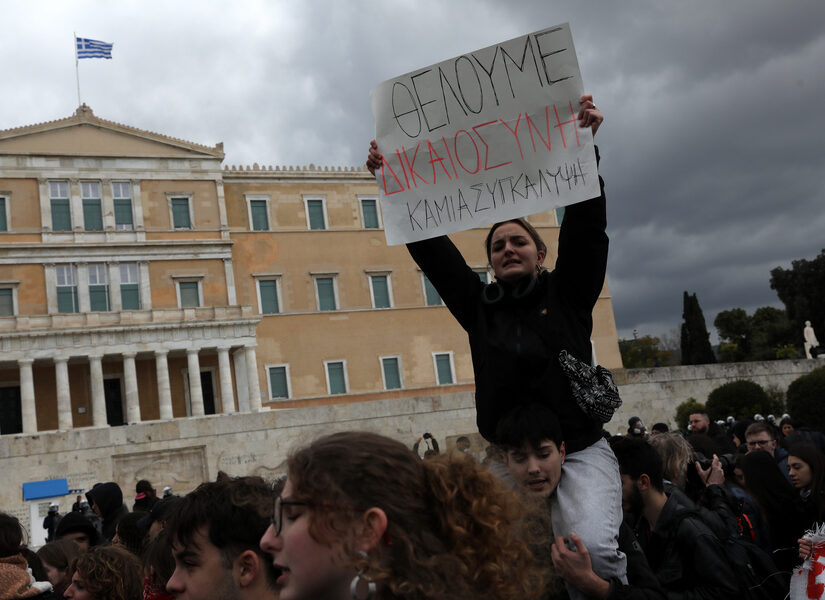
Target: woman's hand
{"x":374,"y":159}
{"x":806,"y":548}
{"x":589,"y":115}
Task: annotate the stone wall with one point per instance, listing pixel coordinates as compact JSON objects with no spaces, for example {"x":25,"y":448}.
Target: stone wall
{"x":654,"y":394}
{"x":182,"y":453}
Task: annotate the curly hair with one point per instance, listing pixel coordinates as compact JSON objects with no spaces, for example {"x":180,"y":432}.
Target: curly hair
{"x":110,"y":573}
{"x":452,"y":528}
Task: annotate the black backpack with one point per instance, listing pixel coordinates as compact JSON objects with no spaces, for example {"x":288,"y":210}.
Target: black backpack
{"x":756,"y":573}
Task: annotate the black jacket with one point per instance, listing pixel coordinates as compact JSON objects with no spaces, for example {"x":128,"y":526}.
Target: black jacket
{"x":688,"y":559}
{"x":109,"y":500}
{"x":515,"y":341}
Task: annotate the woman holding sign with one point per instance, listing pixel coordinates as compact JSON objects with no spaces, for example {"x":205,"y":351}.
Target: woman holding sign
{"x":530,"y":341}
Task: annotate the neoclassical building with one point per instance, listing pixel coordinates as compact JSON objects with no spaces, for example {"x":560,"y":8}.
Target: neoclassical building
{"x":141,"y":279}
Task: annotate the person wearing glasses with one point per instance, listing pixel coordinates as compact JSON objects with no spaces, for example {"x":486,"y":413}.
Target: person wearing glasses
{"x":360,"y":516}
{"x":214,"y":532}
{"x":761,"y":436}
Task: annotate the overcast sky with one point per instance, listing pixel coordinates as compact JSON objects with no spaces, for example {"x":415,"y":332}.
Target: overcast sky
{"x":711,"y":147}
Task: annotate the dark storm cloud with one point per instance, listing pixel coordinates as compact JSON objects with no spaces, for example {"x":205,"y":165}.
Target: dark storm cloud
{"x":710,"y":147}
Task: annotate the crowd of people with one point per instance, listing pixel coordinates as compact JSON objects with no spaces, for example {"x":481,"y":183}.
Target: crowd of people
{"x":557,"y":509}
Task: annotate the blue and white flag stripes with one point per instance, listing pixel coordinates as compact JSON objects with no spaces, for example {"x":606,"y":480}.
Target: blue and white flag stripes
{"x":87,"y":48}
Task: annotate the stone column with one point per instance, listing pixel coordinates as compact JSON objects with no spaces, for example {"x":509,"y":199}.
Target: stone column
{"x":130,"y":383}
{"x":98,"y":393}
{"x":195,"y":391}
{"x":64,"y":400}
{"x":164,"y":388}
{"x":27,"y":396}
{"x":227,"y":399}
{"x":252,"y":379}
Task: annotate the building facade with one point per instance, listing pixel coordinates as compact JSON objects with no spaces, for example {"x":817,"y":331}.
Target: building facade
{"x":141,"y":280}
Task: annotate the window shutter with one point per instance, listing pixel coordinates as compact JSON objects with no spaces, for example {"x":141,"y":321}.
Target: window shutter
{"x":370,"y":211}
{"x":269,"y":296}
{"x":99,"y":298}
{"x":61,"y":215}
{"x":92,"y":216}
{"x":260,"y":220}
{"x":445,"y":373}
{"x":180,"y":213}
{"x":3,"y":225}
{"x":123,"y":213}
{"x":315,"y":208}
{"x":392,"y":377}
{"x":130,"y":296}
{"x":67,"y":299}
{"x":337,"y":382}
{"x":277,"y":381}
{"x":433,"y":299}
{"x":380,"y":291}
{"x":326,"y":293}
{"x":6,"y":303}
{"x":189,"y":294}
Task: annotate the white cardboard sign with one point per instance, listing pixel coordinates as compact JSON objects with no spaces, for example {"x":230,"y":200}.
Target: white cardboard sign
{"x":484,"y":137}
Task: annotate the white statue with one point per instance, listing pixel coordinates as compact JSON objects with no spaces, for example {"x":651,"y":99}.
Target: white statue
{"x":810,"y":339}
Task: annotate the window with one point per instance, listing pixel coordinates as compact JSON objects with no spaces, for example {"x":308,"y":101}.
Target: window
{"x":66,"y":289}
{"x":92,"y":213}
{"x":483,"y":275}
{"x":430,"y":293}
{"x":336,"y":376}
{"x":392,"y":372}
{"x":369,"y":213}
{"x":268,"y":296}
{"x":122,"y":199}
{"x":381,"y":291}
{"x":129,"y":287}
{"x":189,"y":294}
{"x":4,"y":216}
{"x":98,"y":288}
{"x":559,"y":215}
{"x":325,"y":290}
{"x":443,"y":368}
{"x":61,"y":209}
{"x":278,"y":381}
{"x":7,"y":302}
{"x":181,"y":214}
{"x":316,"y":213}
{"x":259,"y":214}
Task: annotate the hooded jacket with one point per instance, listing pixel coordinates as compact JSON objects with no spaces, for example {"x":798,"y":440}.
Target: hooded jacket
{"x":109,"y":500}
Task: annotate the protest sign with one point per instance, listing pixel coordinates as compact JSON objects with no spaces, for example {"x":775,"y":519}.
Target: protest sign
{"x":488,"y":136}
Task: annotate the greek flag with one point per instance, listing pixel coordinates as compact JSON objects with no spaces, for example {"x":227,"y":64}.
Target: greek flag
{"x":87,"y":48}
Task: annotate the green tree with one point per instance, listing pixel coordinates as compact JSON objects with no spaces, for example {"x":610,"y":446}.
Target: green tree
{"x":734,"y":327}
{"x":696,"y":348}
{"x":741,"y":399}
{"x":644,"y":352}
{"x":800,"y":290}
{"x":763,"y":336}
{"x":685,"y":409}
{"x":806,"y":399}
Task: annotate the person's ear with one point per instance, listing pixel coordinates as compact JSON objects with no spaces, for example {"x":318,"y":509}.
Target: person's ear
{"x":374,"y":529}
{"x":542,"y":254}
{"x":643,"y":483}
{"x":562,"y":451}
{"x":247,"y":564}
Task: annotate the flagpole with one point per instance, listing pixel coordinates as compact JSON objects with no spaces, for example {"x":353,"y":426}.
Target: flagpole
{"x":77,"y":69}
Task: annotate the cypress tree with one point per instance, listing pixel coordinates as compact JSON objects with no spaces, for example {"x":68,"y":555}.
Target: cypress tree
{"x":696,"y":348}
